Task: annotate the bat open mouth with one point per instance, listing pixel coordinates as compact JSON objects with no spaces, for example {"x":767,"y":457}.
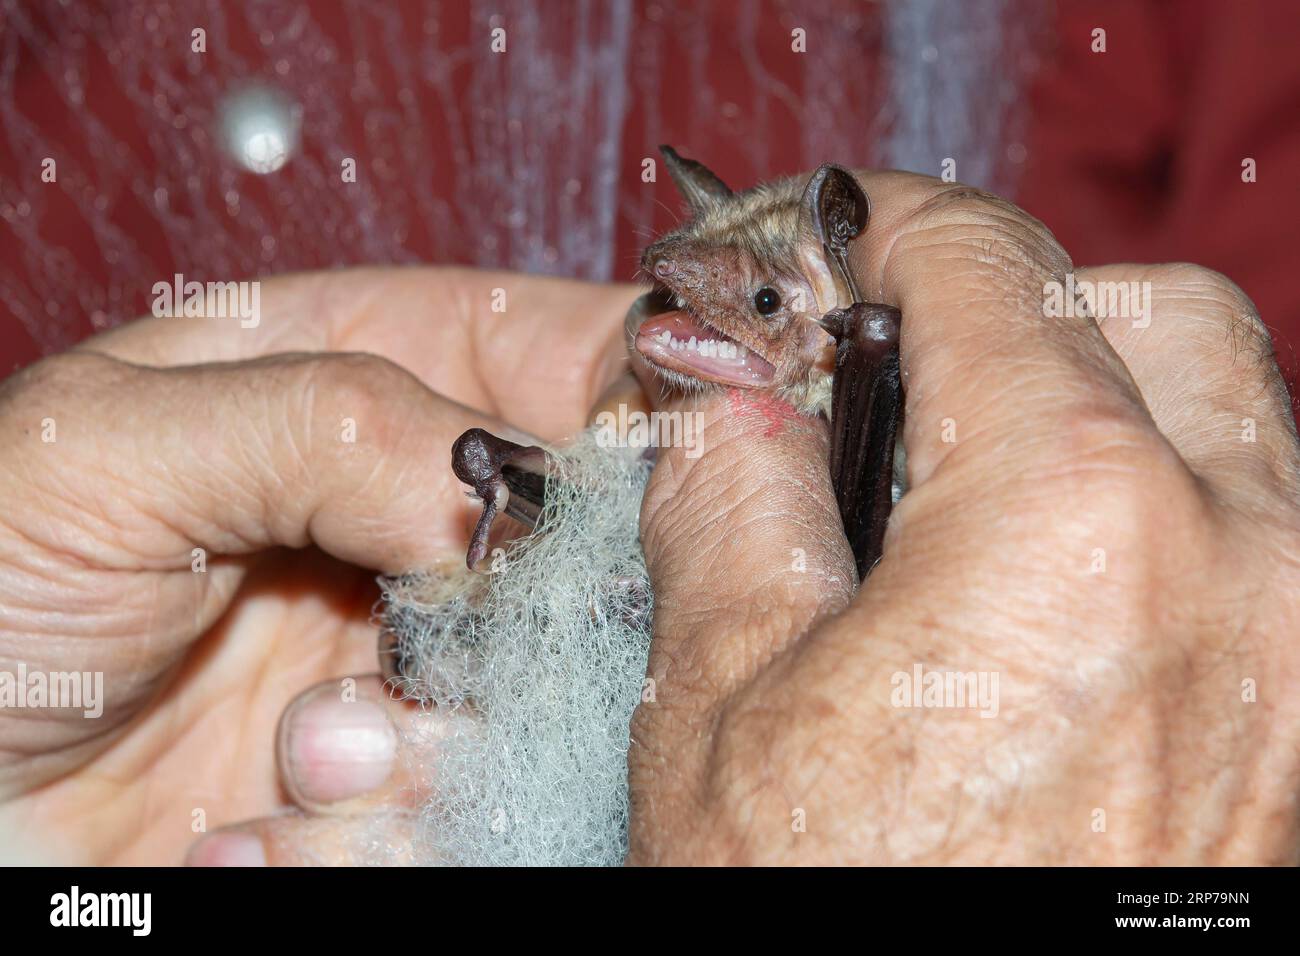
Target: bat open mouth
{"x":680,"y":342}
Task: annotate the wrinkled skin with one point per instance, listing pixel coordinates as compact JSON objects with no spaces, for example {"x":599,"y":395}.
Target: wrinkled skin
{"x":242,"y":455}
{"x":1146,"y":713}
{"x":771,"y":737}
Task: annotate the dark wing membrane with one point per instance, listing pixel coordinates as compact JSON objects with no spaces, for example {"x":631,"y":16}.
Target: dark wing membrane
{"x":504,"y":476}
{"x":866,"y":410}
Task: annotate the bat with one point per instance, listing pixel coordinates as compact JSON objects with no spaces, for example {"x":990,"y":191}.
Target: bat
{"x":752,"y":292}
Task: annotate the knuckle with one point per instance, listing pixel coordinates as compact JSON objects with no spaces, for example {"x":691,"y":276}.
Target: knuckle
{"x":1211,"y":298}
{"x":1094,"y":431}
{"x":1105,"y":450}
{"x":358,"y":390}
{"x":354,"y":377}
{"x":980,"y":248}
{"x":994,"y":232}
{"x":1112,"y":476}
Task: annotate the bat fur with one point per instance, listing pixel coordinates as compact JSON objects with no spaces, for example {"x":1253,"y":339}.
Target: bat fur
{"x":535,"y":669}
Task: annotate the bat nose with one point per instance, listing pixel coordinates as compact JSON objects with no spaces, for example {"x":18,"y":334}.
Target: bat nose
{"x":663,"y":268}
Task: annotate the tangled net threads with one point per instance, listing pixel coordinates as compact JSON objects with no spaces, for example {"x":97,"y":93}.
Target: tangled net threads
{"x":538,"y":667}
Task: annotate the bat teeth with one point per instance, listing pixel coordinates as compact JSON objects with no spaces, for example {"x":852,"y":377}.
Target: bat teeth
{"x":681,"y":303}
{"x":708,"y":348}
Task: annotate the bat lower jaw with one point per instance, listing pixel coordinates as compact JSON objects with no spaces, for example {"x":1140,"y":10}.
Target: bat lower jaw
{"x":677,"y":342}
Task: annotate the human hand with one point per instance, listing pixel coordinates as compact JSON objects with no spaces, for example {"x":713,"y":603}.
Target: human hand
{"x":170,"y":435}
{"x":1103,"y":516}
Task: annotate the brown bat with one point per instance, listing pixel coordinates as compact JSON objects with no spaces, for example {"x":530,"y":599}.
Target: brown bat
{"x":752,"y":292}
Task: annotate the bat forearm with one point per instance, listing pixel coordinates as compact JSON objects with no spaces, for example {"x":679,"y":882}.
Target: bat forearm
{"x":867,"y":410}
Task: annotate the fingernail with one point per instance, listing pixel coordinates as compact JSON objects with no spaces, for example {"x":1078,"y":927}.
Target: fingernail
{"x":336,"y":748}
{"x":227,"y":849}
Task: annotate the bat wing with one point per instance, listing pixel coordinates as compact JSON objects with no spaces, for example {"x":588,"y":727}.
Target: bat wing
{"x":866,"y":410}
{"x":867,"y":397}
{"x":505,"y":477}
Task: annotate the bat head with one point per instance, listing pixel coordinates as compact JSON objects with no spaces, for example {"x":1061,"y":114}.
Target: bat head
{"x":740,"y":287}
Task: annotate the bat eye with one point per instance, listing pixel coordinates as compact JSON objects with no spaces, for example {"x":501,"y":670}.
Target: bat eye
{"x":766,"y":301}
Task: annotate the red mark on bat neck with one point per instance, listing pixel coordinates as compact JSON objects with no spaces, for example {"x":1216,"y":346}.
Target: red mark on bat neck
{"x":776,"y":412}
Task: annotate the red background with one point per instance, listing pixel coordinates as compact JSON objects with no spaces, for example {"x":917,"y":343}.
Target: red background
{"x":1134,"y":155}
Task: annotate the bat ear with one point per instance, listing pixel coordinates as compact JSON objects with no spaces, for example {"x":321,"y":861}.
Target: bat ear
{"x":834,"y":209}
{"x":695,"y":181}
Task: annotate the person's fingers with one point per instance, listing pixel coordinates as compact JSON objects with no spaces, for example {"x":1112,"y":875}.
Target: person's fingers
{"x":984,"y":365}
{"x":743,"y":543}
{"x":534,"y":350}
{"x":746,"y":552}
{"x":367,"y":839}
{"x":346,"y":451}
{"x":344,"y":747}
{"x":195,"y":467}
{"x":304,"y":312}
{"x":1204,"y":363}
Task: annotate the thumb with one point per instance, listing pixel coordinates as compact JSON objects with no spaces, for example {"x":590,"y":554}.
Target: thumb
{"x":743,"y":540}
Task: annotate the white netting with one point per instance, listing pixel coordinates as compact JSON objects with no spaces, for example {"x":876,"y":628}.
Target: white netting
{"x":536,"y":670}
